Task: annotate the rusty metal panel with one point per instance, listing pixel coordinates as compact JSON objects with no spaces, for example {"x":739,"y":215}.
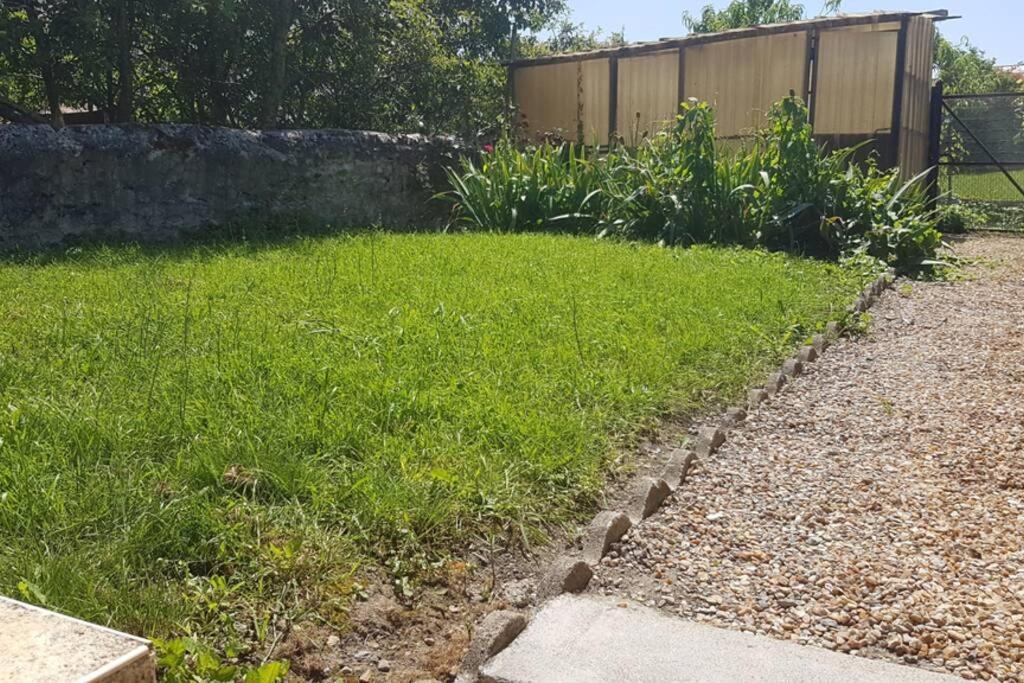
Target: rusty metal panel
{"x":743,"y":78}
{"x":547,"y":98}
{"x":917,"y":87}
{"x":594,"y":94}
{"x":856,"y":76}
{"x":648,"y":94}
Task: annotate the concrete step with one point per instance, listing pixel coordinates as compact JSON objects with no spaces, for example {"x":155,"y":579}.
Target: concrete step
{"x":40,"y":646}
{"x":584,"y":639}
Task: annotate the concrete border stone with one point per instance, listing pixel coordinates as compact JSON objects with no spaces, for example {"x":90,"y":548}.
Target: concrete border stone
{"x":807,"y":354}
{"x":733,"y":417}
{"x":792,"y":367}
{"x":493,"y":634}
{"x":678,"y":466}
{"x":709,"y":439}
{"x":775,"y":382}
{"x":604,"y":530}
{"x":755,"y":397}
{"x":565,"y":575}
{"x":649,"y":496}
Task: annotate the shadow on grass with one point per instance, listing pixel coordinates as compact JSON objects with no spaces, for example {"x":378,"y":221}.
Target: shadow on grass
{"x":252,"y":236}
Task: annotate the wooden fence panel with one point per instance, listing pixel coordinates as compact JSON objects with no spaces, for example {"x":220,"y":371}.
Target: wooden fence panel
{"x":856,"y":77}
{"x":596,"y":89}
{"x":648,"y":94}
{"x":547,"y":98}
{"x":743,"y":78}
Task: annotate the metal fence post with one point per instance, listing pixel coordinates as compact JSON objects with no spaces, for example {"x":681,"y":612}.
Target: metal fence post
{"x":934,"y":143}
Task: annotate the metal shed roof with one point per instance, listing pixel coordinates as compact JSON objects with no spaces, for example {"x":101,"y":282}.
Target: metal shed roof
{"x":761,"y":30}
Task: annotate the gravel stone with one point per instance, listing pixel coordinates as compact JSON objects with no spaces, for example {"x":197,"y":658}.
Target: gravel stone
{"x":878,"y":510}
{"x":820,"y":343}
{"x":518,"y":593}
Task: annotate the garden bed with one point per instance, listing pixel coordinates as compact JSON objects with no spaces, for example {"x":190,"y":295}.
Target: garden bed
{"x":222,"y":441}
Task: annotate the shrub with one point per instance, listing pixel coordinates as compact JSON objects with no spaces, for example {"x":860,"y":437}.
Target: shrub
{"x":780,"y":191}
{"x":549,"y":188}
{"x":957,"y":218}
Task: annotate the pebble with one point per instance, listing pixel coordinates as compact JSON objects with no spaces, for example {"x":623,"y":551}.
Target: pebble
{"x":875,"y":507}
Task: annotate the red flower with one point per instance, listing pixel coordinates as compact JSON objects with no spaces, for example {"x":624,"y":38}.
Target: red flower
{"x":489,"y":149}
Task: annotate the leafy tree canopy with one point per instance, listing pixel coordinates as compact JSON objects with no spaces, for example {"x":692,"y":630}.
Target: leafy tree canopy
{"x":392,"y":65}
{"x":964,"y":69}
{"x":743,"y":13}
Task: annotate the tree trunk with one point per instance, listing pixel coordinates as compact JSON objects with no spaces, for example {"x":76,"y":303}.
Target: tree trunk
{"x":125,"y":68}
{"x":282,"y":15}
{"x":44,"y":59}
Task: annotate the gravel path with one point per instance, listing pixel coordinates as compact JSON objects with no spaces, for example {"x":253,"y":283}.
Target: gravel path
{"x":877,"y":508}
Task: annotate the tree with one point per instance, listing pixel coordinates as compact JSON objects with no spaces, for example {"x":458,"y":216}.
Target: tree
{"x":567,"y":36}
{"x":424,"y":65}
{"x":964,"y":69}
{"x":743,"y":13}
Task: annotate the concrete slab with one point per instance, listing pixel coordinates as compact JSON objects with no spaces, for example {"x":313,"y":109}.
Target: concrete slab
{"x":589,"y":639}
{"x":40,"y":646}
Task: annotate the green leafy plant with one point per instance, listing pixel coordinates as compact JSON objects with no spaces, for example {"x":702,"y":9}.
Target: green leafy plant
{"x":780,"y":191}
{"x":185,"y":660}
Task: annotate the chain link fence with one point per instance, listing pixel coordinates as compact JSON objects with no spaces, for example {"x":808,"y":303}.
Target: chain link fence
{"x":982,"y":157}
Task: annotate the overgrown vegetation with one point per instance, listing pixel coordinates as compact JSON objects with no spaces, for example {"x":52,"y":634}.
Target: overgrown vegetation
{"x":779,"y":191}
{"x":209,"y":441}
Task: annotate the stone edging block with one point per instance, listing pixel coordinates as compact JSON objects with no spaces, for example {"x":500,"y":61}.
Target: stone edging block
{"x":649,"y":496}
{"x":775,"y":382}
{"x":572,"y":575}
{"x":734,"y":416}
{"x":755,"y":397}
{"x":709,"y":440}
{"x":792,"y":367}
{"x":493,"y":634}
{"x":679,"y":464}
{"x":565,"y":575}
{"x":807,"y":354}
{"x":604,"y":530}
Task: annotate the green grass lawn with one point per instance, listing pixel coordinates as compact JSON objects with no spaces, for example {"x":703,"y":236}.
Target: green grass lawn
{"x":197,"y":438}
{"x":987,"y":186}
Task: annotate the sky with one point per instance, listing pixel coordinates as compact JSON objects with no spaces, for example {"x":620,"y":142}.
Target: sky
{"x":996,"y":26}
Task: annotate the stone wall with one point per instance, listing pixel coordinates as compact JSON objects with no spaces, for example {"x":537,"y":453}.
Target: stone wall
{"x":152,"y":183}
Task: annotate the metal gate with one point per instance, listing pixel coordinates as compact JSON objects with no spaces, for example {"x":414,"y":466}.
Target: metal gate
{"x":978,"y":148}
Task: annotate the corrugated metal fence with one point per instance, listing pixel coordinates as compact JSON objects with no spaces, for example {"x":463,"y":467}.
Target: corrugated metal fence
{"x":865,"y":77}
